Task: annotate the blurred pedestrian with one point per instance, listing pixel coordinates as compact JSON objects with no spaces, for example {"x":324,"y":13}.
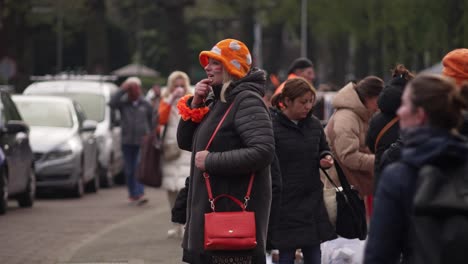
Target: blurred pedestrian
{"x":456,"y":67}
{"x":154,"y":96}
{"x":300,"y":67}
{"x":346,"y":131}
{"x":136,"y":122}
{"x":301,"y":148}
{"x":176,"y":162}
{"x":243,"y":145}
{"x":384,"y":128}
{"x":430,"y":112}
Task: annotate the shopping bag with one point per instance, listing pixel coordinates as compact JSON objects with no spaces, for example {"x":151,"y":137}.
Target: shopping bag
{"x":149,"y":171}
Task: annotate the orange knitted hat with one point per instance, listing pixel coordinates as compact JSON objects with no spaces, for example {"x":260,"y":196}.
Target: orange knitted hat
{"x":233,"y":54}
{"x":456,"y":65}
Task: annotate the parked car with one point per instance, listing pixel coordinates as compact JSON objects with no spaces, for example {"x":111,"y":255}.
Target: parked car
{"x":17,"y":177}
{"x":93,"y":93}
{"x":63,"y":143}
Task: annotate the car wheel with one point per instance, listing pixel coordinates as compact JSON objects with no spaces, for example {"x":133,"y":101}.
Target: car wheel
{"x":26,"y":199}
{"x":3,"y":191}
{"x":78,"y":190}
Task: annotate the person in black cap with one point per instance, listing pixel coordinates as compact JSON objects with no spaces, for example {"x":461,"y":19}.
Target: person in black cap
{"x":300,"y":67}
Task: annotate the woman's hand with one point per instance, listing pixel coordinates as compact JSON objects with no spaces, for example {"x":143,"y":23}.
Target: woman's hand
{"x":176,"y":94}
{"x":202,"y":89}
{"x":200,"y":158}
{"x":326,"y":162}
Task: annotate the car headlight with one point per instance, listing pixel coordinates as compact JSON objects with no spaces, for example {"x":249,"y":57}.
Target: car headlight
{"x":58,"y":154}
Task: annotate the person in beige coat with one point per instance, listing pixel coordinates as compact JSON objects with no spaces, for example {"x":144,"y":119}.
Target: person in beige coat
{"x":347,"y":128}
{"x":176,"y":162}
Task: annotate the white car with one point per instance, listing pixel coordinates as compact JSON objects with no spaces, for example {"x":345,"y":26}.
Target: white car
{"x":63,"y":143}
{"x":92,"y":93}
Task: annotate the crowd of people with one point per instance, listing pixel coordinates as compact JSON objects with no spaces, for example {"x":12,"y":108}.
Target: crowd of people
{"x":229,"y":137}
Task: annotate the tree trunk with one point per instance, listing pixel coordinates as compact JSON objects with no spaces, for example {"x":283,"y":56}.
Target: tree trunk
{"x":178,"y":59}
{"x":97,"y":46}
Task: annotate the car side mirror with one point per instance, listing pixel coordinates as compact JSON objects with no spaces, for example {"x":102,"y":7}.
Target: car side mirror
{"x":88,"y":126}
{"x":16,"y":126}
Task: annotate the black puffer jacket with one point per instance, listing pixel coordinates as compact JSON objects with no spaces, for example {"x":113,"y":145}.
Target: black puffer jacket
{"x":244,"y":144}
{"x":303,"y":219}
{"x":389,"y":101}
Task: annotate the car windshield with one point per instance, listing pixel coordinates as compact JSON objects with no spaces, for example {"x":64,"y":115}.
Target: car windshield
{"x":37,"y":113}
{"x":93,"y":104}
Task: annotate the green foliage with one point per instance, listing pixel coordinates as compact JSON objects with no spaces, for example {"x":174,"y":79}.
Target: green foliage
{"x":370,"y":35}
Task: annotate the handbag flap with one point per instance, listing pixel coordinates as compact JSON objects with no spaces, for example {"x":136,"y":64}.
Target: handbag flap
{"x":230,"y":224}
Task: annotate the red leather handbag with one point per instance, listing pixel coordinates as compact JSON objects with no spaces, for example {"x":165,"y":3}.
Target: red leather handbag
{"x":229,"y":230}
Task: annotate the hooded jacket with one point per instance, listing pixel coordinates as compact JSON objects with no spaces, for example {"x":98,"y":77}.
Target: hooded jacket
{"x":346,"y":131}
{"x":391,"y":231}
{"x":244,"y":144}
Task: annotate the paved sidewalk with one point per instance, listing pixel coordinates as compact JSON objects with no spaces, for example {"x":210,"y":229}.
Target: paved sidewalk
{"x":140,"y":239}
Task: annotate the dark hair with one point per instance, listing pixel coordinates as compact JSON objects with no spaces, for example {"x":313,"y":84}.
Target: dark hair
{"x":293,"y":88}
{"x":401,"y":71}
{"x":369,"y":87}
{"x":440,"y":99}
{"x":299,"y":63}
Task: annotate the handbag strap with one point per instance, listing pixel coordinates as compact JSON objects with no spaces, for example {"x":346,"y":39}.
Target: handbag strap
{"x":341,"y":177}
{"x":384,"y":130}
{"x":207,"y":176}
{"x":330,"y":179}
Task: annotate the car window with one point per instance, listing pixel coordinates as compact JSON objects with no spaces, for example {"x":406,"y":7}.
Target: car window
{"x":10,"y":111}
{"x":93,"y":105}
{"x":38,"y":113}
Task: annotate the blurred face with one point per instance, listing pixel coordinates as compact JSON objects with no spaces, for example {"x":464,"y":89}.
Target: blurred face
{"x":214,"y":71}
{"x":300,"y":107}
{"x":307,"y":73}
{"x":133,"y":91}
{"x":410,"y":116}
{"x":178,"y":83}
{"x":371,"y":104}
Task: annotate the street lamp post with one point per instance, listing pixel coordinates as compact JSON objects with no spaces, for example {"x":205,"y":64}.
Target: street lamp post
{"x":304,"y":28}
{"x":59,"y":39}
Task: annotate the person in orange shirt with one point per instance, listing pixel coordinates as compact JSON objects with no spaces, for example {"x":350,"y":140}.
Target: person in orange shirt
{"x":300,"y":67}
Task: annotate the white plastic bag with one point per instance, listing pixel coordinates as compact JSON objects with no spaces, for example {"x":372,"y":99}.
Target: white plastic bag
{"x":342,"y":251}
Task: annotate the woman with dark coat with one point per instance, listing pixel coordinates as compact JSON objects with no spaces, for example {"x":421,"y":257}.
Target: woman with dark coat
{"x":243,"y":144}
{"x":430,"y":112}
{"x":301,"y":148}
{"x":389,"y":101}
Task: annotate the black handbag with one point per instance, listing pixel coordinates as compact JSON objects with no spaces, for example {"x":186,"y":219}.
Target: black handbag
{"x":350,"y":210}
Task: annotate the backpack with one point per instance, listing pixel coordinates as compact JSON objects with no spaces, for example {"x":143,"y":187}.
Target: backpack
{"x":440,"y":213}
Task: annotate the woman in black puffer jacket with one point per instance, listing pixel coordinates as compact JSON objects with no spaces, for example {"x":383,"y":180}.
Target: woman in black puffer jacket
{"x":301,"y":148}
{"x":243,"y":145}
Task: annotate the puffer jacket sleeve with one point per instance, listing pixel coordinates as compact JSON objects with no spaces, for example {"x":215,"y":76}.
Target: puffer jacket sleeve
{"x":323,"y":148}
{"x":347,"y":145}
{"x":253,"y":124}
{"x":276,"y":187}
